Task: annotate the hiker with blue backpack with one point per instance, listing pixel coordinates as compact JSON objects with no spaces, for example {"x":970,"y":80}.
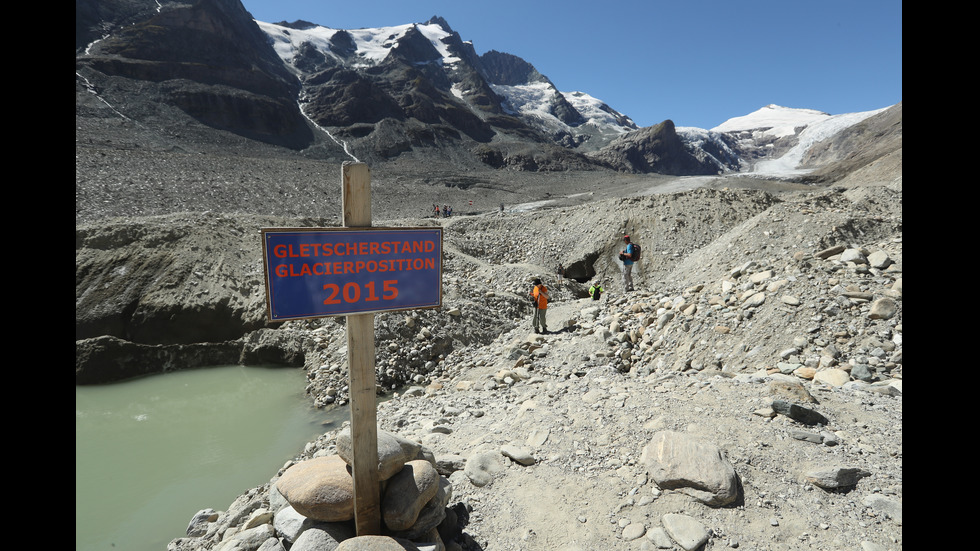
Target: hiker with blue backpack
{"x":629,"y":256}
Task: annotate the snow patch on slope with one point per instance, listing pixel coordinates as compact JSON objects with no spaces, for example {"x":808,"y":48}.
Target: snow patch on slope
{"x":597,"y":112}
{"x":816,"y":132}
{"x":533,"y":99}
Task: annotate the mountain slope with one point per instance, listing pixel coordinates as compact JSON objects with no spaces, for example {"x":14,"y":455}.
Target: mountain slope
{"x":208,"y":60}
{"x":854,"y":152}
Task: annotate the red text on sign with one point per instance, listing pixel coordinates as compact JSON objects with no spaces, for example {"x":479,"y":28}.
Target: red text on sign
{"x":351,"y":292}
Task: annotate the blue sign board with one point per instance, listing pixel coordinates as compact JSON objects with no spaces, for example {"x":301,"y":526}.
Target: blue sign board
{"x":324,"y":272}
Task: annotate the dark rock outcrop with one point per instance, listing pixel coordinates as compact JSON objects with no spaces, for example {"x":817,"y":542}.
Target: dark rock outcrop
{"x":107,"y":359}
{"x":654,"y":149}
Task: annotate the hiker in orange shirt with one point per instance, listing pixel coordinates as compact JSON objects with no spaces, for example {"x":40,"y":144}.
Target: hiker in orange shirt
{"x":539,"y":296}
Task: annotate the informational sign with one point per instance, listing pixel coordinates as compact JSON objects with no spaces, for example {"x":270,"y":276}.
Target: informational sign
{"x":324,"y":272}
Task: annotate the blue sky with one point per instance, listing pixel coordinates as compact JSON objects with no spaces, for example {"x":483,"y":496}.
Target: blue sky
{"x":695,"y":62}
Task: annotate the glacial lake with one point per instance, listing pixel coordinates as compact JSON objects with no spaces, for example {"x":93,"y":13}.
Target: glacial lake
{"x":152,"y":452}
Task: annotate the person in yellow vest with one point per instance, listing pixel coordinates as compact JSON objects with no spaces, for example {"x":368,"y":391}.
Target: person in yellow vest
{"x":596,"y":290}
{"x":539,"y":296}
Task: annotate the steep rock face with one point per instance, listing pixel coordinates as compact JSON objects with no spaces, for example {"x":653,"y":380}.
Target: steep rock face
{"x":343,"y":97}
{"x":173,"y":292}
{"x":211,"y":41}
{"x":368,"y":107}
{"x":428,"y":95}
{"x":161,"y":282}
{"x":208,"y":58}
{"x":510,"y":70}
{"x":93,"y":19}
{"x":470,"y":75}
{"x":654,"y":149}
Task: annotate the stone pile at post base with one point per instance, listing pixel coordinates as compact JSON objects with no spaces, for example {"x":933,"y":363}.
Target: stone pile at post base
{"x":311,"y":505}
{"x":413,"y":502}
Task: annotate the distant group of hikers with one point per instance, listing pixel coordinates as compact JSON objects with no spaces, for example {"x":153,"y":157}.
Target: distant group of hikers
{"x":446,"y":211}
{"x":539,"y":292}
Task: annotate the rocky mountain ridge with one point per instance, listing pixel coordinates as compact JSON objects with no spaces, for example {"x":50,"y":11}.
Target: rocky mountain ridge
{"x":204,"y":74}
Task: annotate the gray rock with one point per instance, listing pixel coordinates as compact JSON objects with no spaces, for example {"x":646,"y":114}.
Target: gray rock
{"x":799,"y":413}
{"x":790,"y":300}
{"x":321,"y":488}
{"x":393,"y":451}
{"x":686,"y":531}
{"x":291,"y":524}
{"x":259,"y":516}
{"x":249,"y":540}
{"x":888,"y":506}
{"x":659,"y":538}
{"x":198,"y":526}
{"x":806,"y":436}
{"x":879,"y":259}
{"x":836,"y":477}
{"x":481,"y":467}
{"x":377,"y":543}
{"x":863,"y":372}
{"x":272,"y":544}
{"x":679,"y":461}
{"x":323,"y":537}
{"x":854,"y":256}
{"x":883,"y":308}
{"x":407,"y":493}
{"x":832,"y":377}
{"x":518,"y":454}
{"x":755,"y":299}
{"x":276,"y":501}
{"x":633,"y":531}
{"x":448,"y":464}
{"x":432,"y":515}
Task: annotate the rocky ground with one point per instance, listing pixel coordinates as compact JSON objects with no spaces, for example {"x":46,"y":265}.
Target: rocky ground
{"x":751,"y":293}
{"x":746,"y":297}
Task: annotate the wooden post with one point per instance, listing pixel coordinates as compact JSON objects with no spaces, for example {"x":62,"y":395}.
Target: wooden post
{"x":356,"y":198}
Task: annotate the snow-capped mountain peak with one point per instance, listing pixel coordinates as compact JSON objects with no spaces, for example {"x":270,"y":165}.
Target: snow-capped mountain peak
{"x":372,"y":45}
{"x":572,"y":118}
{"x":773,"y":120}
